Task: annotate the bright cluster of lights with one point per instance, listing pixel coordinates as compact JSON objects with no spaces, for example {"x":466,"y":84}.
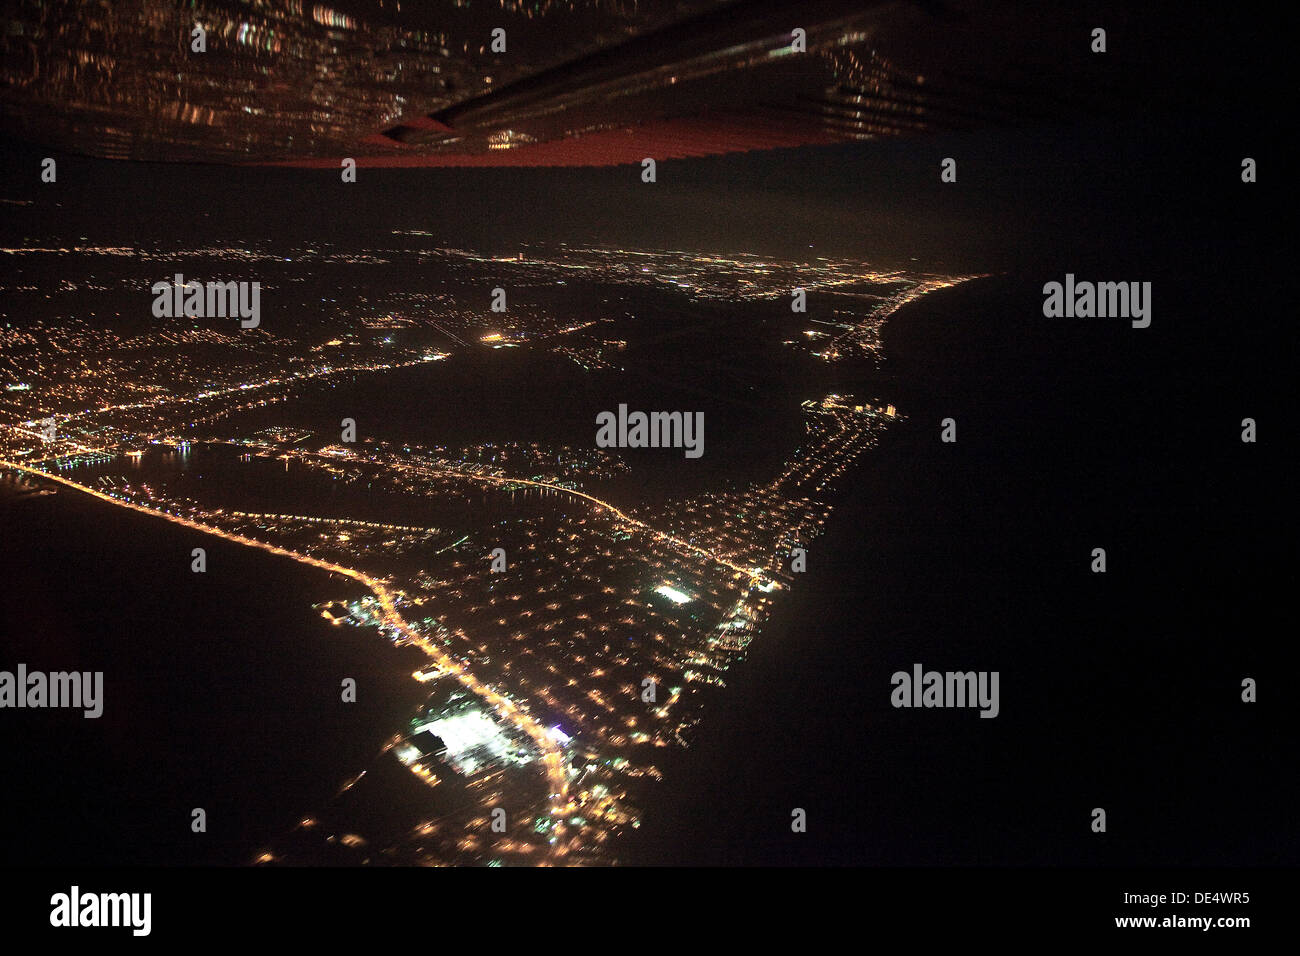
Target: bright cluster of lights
{"x":672,"y":594}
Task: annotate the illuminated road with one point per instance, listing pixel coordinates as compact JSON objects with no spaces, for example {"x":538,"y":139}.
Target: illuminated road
{"x":622,"y":516}
{"x":84,"y":449}
{"x":213,"y":393}
{"x":254,"y":386}
{"x":605,"y":505}
{"x":552,"y":759}
{"x":491,"y":479}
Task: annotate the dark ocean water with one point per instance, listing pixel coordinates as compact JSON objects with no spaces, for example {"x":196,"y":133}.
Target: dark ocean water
{"x":1119,"y":691}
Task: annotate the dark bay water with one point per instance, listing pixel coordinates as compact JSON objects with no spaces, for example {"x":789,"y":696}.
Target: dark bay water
{"x":221,"y":690}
